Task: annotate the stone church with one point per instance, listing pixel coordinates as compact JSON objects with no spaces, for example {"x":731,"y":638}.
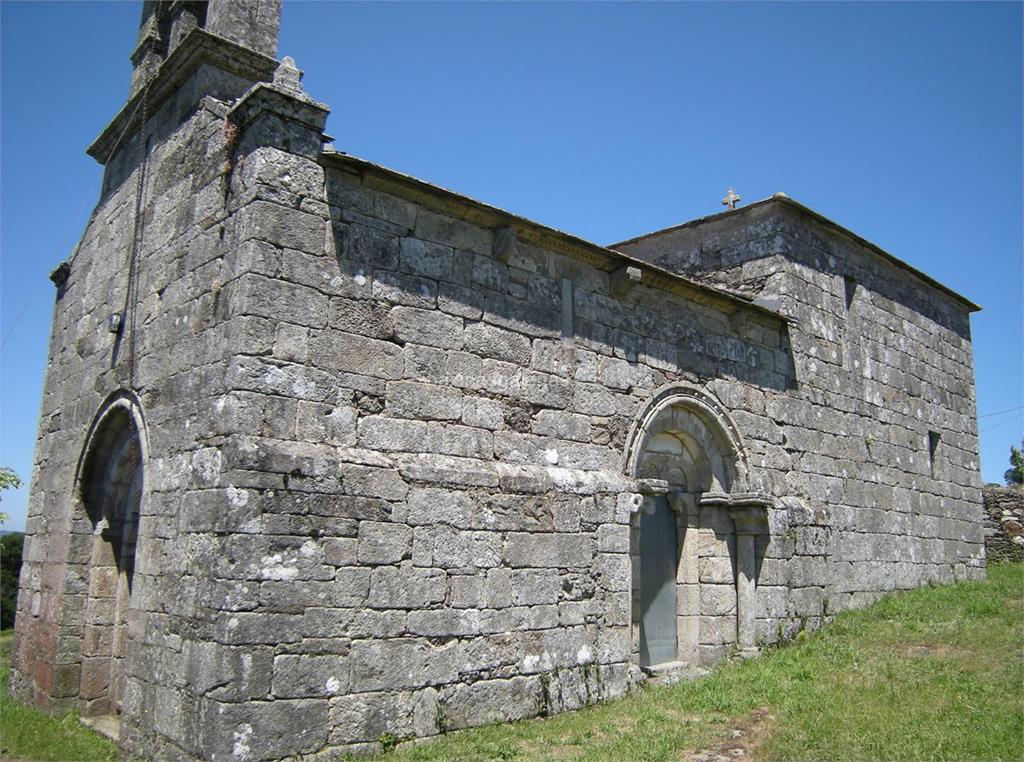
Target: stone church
{"x":327,"y":452}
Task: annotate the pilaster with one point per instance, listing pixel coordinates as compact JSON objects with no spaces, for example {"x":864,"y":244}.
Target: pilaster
{"x":749,"y":513}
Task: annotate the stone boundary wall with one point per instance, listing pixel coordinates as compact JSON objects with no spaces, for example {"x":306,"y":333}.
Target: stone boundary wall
{"x":1004,"y":523}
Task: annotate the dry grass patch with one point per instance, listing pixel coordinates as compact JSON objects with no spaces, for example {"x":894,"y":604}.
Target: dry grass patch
{"x":743,"y":739}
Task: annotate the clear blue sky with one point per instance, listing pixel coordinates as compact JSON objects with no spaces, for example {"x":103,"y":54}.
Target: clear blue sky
{"x":902,"y":122}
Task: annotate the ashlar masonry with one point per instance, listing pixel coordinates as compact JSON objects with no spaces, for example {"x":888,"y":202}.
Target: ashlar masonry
{"x":329,"y":454}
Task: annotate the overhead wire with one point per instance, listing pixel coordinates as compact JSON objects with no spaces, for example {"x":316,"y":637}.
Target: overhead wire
{"x":1011,"y":419}
{"x":1000,"y":412}
{"x":88,"y":194}
{"x":40,"y":283}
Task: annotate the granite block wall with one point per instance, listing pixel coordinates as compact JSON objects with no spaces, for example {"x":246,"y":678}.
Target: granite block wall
{"x":879,"y":435}
{"x":429,"y":510}
{"x":153,"y":257}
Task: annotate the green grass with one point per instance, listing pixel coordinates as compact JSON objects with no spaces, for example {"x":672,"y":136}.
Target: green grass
{"x":933,"y":674}
{"x":28,"y":734}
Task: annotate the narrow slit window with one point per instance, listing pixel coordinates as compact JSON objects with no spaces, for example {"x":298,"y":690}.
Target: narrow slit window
{"x":850,"y":291}
{"x":933,"y":450}
{"x":568,"y":328}
{"x":846,"y":328}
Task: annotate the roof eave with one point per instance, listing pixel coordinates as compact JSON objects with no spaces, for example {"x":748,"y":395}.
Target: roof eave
{"x":603,"y":257}
{"x":783,"y":199}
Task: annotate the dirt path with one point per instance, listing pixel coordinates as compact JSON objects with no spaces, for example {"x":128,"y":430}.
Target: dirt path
{"x":743,"y":740}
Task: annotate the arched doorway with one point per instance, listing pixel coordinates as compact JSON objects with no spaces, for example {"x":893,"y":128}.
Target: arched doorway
{"x":692,"y":538}
{"x":111,"y":486}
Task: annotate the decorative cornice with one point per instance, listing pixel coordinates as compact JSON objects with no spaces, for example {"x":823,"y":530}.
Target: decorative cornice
{"x":296,"y":106}
{"x":477,"y":212}
{"x":197,"y":48}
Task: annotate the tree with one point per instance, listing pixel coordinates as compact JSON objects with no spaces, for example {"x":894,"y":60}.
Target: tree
{"x":10,"y":568}
{"x":10,"y":557}
{"x":8,"y":480}
{"x":1015,"y":473}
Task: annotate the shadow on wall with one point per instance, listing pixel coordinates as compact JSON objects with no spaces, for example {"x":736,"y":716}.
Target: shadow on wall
{"x":386,"y":256}
{"x":738,"y":250}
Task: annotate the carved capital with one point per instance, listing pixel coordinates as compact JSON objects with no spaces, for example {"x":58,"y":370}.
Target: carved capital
{"x":680,"y":502}
{"x":749,"y":510}
{"x":652,"y":487}
{"x":749,"y":518}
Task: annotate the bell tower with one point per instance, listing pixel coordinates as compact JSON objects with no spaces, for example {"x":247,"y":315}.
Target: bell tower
{"x":252,"y":24}
{"x":187,"y":50}
{"x":116,"y":620}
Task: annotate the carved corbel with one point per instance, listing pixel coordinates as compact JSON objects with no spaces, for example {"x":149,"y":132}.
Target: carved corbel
{"x":624,"y":279}
{"x":60,"y":275}
{"x":506,"y":242}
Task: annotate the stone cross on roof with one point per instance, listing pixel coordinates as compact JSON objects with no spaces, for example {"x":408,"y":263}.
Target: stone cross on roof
{"x":731,"y":197}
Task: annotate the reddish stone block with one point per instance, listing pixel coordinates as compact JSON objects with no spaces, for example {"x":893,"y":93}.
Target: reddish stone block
{"x":103,"y":582}
{"x":95,"y":677}
{"x":98,"y":640}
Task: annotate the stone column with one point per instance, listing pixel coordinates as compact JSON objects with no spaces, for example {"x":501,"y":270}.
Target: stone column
{"x":750,"y":517}
{"x":687,"y":576}
{"x":150,"y":49}
{"x":746,"y":590}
